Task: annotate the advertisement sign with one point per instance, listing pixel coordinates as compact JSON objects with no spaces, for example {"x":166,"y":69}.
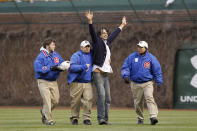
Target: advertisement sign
{"x":185,"y":80}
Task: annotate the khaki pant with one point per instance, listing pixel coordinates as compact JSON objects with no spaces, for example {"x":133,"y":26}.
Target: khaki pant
{"x":50,"y":94}
{"x":141,"y":92}
{"x":81,"y":92}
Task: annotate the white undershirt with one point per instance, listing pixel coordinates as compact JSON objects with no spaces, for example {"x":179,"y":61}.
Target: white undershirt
{"x":106,"y":65}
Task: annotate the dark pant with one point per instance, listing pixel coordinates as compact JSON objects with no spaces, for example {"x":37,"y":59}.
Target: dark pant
{"x":101,"y":82}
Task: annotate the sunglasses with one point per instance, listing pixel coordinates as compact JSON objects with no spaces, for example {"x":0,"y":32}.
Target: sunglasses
{"x":139,"y":46}
{"x":87,"y":46}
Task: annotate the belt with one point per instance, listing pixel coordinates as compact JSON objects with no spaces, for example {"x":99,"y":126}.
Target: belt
{"x":101,"y":72}
{"x":141,"y":82}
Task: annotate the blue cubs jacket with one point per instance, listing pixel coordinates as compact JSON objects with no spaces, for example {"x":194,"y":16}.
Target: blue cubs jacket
{"x":142,"y":68}
{"x":43,"y":62}
{"x":78,"y":71}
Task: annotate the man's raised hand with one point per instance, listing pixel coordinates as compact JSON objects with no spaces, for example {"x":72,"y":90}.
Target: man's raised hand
{"x":89,"y":16}
{"x":124,"y":23}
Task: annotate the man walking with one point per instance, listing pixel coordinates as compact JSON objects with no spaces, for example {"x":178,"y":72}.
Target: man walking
{"x":79,"y":80}
{"x":140,"y":69}
{"x":47,"y":71}
{"x":101,"y":65}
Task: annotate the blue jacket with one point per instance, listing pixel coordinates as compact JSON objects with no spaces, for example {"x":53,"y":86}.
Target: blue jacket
{"x":142,"y":68}
{"x":99,"y":49}
{"x":42,"y":65}
{"x":78,"y":69}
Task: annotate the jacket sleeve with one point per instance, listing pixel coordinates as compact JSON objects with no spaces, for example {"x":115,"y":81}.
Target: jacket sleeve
{"x":156,"y":71}
{"x":113,"y":35}
{"x":93,"y":35}
{"x":39,"y":66}
{"x":75,"y":65}
{"x":60,"y":58}
{"x":125,"y":70}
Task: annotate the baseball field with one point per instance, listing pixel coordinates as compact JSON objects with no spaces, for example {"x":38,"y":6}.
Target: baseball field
{"x":29,"y":119}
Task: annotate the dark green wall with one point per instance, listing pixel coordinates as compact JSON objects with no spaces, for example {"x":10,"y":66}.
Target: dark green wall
{"x":185,"y":95}
{"x":95,"y":5}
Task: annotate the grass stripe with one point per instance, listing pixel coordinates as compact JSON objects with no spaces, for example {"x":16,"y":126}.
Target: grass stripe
{"x":19,"y":119}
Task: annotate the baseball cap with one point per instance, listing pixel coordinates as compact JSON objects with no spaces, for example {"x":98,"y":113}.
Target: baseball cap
{"x":85,"y":43}
{"x":143,"y":44}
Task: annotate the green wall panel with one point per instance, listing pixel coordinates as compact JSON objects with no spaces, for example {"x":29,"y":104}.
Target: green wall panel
{"x":95,"y":5}
{"x":185,"y":95}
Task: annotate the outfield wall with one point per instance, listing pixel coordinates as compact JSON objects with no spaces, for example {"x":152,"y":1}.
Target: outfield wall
{"x":94,"y":5}
{"x":20,"y":44}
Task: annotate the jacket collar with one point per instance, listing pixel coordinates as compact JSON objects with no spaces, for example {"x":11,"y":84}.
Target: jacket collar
{"x":143,"y":54}
{"x":84,"y":52}
{"x":43,"y":49}
{"x":46,"y":52}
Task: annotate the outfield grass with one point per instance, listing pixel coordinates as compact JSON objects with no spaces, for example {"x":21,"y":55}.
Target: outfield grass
{"x":21,"y":119}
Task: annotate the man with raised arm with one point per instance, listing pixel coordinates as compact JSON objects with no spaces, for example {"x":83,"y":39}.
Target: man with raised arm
{"x":101,"y":65}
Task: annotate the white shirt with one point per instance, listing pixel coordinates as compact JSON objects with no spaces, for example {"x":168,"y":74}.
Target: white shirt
{"x":106,"y":65}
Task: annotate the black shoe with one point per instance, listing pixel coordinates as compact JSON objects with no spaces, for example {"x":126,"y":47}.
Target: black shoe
{"x":87,"y":122}
{"x":75,"y":122}
{"x":153,"y":121}
{"x":51,"y":123}
{"x":43,"y":117}
{"x":140,"y":122}
{"x":102,"y":122}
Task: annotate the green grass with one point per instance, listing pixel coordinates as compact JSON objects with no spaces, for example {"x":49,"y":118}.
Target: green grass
{"x":21,"y":119}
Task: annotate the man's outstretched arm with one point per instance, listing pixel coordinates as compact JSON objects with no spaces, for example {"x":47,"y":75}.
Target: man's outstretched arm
{"x":117,"y":31}
{"x":89,"y":16}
